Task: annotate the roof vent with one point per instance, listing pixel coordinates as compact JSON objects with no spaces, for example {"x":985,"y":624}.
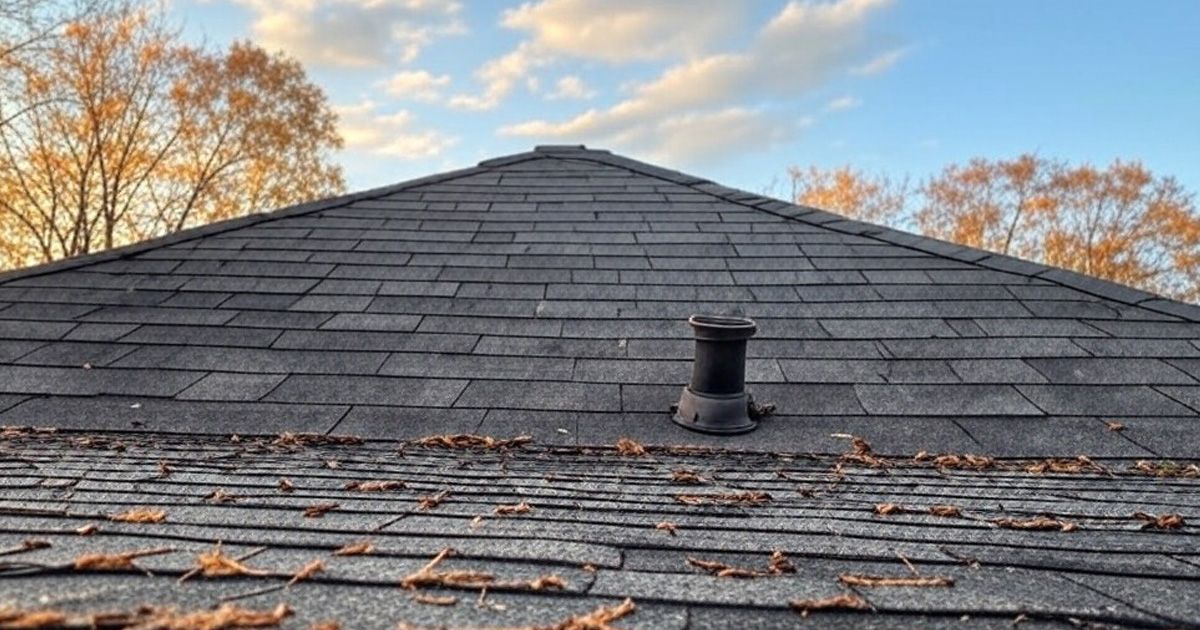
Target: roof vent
{"x":716,"y":400}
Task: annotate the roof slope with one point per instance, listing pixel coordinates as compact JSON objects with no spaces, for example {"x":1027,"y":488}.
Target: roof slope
{"x":547,"y":292}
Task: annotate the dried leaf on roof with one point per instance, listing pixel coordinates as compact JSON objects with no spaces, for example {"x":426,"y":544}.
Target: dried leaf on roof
{"x":430,"y":501}
{"x":843,"y":601}
{"x":30,"y":619}
{"x":288,"y":438}
{"x":215,"y":563}
{"x":29,"y":544}
{"x":360,"y":548}
{"x":308,"y":570}
{"x":227,"y":616}
{"x":964,"y":462}
{"x":463,"y":440}
{"x":375,"y":486}
{"x":778,"y":564}
{"x":667,"y":526}
{"x":1167,"y":469}
{"x":286,"y":485}
{"x":739,"y":498}
{"x":139,"y":515}
{"x":164,"y":469}
{"x":434,"y":600}
{"x":8,"y":432}
{"x":630,"y":448}
{"x":1038,"y":523}
{"x":1114,"y":426}
{"x":599,"y":619}
{"x":860,"y":453}
{"x":887,"y":509}
{"x":858,"y":579}
{"x":687,"y":477}
{"x":1162,"y":521}
{"x":946,"y":511}
{"x":1065,"y":466}
{"x":87,"y":530}
{"x":115,"y":561}
{"x":219,"y":496}
{"x":326,"y":625}
{"x":427,"y":576}
{"x":512,"y":509}
{"x":318,"y":510}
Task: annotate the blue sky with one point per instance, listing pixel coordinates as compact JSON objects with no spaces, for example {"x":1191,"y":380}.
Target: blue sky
{"x":737,"y":91}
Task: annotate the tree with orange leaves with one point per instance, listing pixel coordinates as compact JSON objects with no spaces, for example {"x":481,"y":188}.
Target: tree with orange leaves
{"x":119,"y":132}
{"x":1120,"y":223}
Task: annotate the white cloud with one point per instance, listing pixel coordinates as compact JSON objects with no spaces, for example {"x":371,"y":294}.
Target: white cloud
{"x":626,"y":30}
{"x":352,"y":33}
{"x":800,"y":48}
{"x":571,"y":87}
{"x":418,"y":85}
{"x":881,"y":62}
{"x":500,"y":76}
{"x":843,"y":103}
{"x":365,"y":128}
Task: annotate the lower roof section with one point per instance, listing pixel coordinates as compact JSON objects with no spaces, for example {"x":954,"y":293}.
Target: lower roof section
{"x":560,"y":532}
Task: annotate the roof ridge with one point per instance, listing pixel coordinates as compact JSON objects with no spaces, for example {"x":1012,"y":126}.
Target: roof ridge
{"x":229,"y":225}
{"x":1098,"y":287}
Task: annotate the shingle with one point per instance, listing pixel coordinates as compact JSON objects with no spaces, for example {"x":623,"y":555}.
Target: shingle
{"x":372,"y":321}
{"x":992,"y":347}
{"x":78,"y":381}
{"x":99,"y":332}
{"x":1044,"y":437}
{"x":1113,"y":371}
{"x":34,"y":330}
{"x":10,"y":350}
{"x":368,"y":390}
{"x":279,"y":319}
{"x":332,"y":303}
{"x":256,"y":360}
{"x":400,"y":423}
{"x":1161,"y":348}
{"x":173,"y":416}
{"x":865,"y":371}
{"x":160,"y":315}
{"x":260,"y":301}
{"x":548,"y":347}
{"x":996,"y":371}
{"x":238,"y":284}
{"x":476,"y":366}
{"x":76,"y":354}
{"x":203,"y":336}
{"x":887,"y":329}
{"x":498,"y":394}
{"x":234,"y":387}
{"x":940,"y":400}
{"x":1105,"y":400}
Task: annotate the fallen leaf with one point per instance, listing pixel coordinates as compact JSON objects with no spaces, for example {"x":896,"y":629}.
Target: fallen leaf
{"x":430,"y":501}
{"x":360,"y":548}
{"x":226,"y":616}
{"x":326,"y":625}
{"x":964,"y":462}
{"x":598,"y":619}
{"x":844,"y":601}
{"x":87,"y":530}
{"x":589,"y":568}
{"x":139,"y":515}
{"x":315,"y":439}
{"x":630,"y":448}
{"x":286,"y":485}
{"x":164,"y":469}
{"x":855,"y":579}
{"x":477,"y":522}
{"x":509,"y":510}
{"x":1065,"y":466}
{"x":687,"y":478}
{"x":219,"y":496}
{"x":1114,"y":426}
{"x":115,"y":561}
{"x":13,"y":618}
{"x":375,"y":486}
{"x":434,"y":600}
{"x":318,"y":510}
{"x":1167,"y":469}
{"x":947,"y":511}
{"x":1039,"y":523}
{"x":1164,"y":521}
{"x":303,"y":573}
{"x":860,"y":453}
{"x":742,"y":498}
{"x":215,"y":563}
{"x":887,"y":509}
{"x":667,"y":526}
{"x":778,"y":564}
{"x":471,"y":441}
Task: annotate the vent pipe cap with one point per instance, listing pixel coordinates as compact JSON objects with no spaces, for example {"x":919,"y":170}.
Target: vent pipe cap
{"x":715,"y":401}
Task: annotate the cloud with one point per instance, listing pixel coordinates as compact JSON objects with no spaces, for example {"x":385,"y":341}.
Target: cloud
{"x":614,"y":31}
{"x":801,"y":47}
{"x":843,"y":103}
{"x":365,"y":128}
{"x":881,"y":62}
{"x":625,"y":30}
{"x":571,"y":87}
{"x":352,"y":33}
{"x":418,"y":85}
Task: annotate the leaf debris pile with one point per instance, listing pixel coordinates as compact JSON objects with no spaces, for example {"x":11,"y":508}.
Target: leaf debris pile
{"x":227,"y":616}
{"x":1166,"y":469}
{"x":430,"y":501}
{"x":215,"y":564}
{"x":383,"y":485}
{"x":512,"y":509}
{"x":115,"y":561}
{"x":428,"y":576}
{"x":630,"y":448}
{"x":1038,"y":523}
{"x":777,"y":565}
{"x":300,"y":440}
{"x":1162,"y":521}
{"x":687,"y":477}
{"x":139,"y":515}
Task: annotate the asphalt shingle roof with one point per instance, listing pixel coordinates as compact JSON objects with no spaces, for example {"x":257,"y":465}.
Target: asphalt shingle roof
{"x":546,"y":293}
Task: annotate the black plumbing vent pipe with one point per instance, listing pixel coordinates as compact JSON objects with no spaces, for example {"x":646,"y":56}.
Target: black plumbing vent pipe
{"x":716,"y":401}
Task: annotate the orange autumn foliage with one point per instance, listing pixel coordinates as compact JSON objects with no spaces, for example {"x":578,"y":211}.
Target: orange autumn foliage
{"x":115,"y":131}
{"x":1121,"y":223}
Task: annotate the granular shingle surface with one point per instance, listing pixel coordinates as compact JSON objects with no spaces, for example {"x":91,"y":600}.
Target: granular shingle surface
{"x":546,"y":293}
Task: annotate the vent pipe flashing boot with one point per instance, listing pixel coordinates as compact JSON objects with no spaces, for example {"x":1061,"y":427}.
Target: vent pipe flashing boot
{"x":716,"y":401}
